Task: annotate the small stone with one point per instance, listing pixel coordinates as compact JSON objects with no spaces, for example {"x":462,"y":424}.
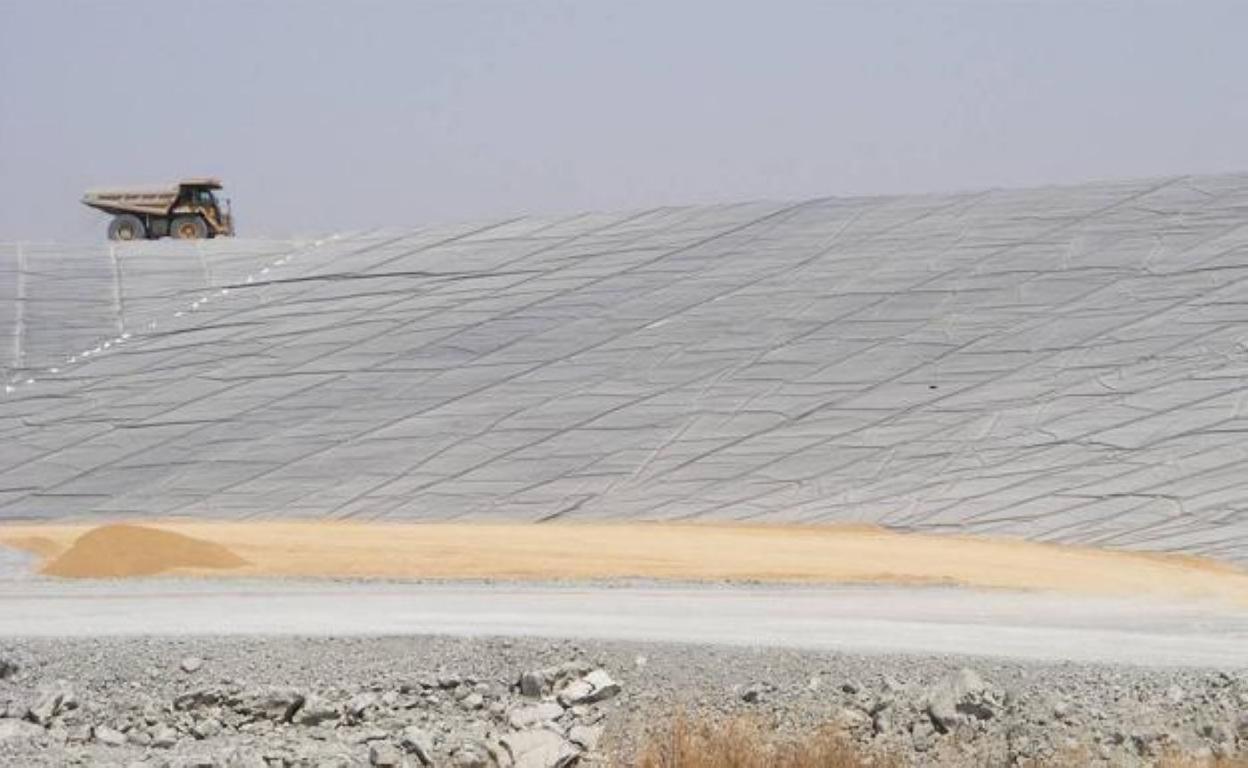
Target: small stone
{"x":1019,"y":747}
{"x":206,"y":728}
{"x":961,"y":696}
{"x":191,"y":664}
{"x":278,"y":704}
{"x":164,"y":737}
{"x":360,"y":703}
{"x":851,"y":719}
{"x":139,"y":737}
{"x":922,"y":735}
{"x":243,"y":758}
{"x":585,"y":736}
{"x":449,"y":681}
{"x":383,"y":755}
{"x":110,"y":737}
{"x":472,"y":701}
{"x":882,"y":721}
{"x":366,"y":735}
{"x":471,"y":755}
{"x":417,"y":742}
{"x":531,"y":685}
{"x":8,"y":668}
{"x":1061,"y":710}
{"x":198,"y":699}
{"x":527,"y":717}
{"x":315,"y":710}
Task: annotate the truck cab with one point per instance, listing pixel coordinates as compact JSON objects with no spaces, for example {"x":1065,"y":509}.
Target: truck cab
{"x":197,"y":201}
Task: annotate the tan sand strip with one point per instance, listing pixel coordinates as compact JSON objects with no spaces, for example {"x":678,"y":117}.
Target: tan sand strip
{"x":695,"y":552}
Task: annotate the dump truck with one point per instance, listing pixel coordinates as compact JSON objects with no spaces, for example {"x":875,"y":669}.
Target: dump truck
{"x":187,"y":210}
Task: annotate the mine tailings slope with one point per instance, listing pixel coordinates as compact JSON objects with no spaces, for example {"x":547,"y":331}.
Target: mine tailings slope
{"x":1060,"y":364}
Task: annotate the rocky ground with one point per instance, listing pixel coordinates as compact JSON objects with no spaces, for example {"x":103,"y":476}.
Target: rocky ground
{"x":484,"y":703}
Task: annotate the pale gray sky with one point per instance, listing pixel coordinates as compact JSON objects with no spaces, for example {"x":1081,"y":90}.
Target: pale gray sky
{"x":336,"y":115}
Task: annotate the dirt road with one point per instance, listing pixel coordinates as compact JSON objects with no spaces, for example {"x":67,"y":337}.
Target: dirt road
{"x":930,"y":620}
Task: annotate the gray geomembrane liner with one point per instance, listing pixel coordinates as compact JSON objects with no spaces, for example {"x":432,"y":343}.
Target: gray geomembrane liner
{"x":1061,"y":364}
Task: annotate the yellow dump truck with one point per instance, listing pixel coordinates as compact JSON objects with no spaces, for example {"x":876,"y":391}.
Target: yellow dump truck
{"x":187,"y":210}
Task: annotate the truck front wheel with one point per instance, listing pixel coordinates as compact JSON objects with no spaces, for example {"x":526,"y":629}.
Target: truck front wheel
{"x":126,"y":227}
{"x":188,"y":228}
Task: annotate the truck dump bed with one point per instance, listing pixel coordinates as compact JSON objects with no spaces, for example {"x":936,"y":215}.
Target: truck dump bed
{"x":153,"y":200}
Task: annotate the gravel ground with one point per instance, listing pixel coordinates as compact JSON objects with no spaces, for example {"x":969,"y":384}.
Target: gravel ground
{"x":529,"y":703}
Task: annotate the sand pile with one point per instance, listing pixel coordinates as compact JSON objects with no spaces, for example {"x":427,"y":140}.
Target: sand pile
{"x":111,"y":551}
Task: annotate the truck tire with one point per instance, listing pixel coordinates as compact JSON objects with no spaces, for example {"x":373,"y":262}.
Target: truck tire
{"x":188,"y":228}
{"x":126,"y":227}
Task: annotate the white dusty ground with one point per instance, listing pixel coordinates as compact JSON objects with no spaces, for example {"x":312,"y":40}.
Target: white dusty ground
{"x":921,"y":621}
{"x":16,"y":564}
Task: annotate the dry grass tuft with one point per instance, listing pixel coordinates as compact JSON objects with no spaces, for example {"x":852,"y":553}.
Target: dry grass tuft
{"x":746,"y":743}
{"x":749,"y":743}
{"x":1183,"y":761}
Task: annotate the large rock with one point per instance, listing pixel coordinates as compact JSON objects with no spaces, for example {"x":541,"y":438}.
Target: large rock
{"x":416,"y":741}
{"x":278,"y":704}
{"x":961,"y":697}
{"x":540,"y":682}
{"x":206,"y":728}
{"x":242,"y":758}
{"x":18,"y":730}
{"x":315,"y":710}
{"x":359,"y":705}
{"x":851,"y":719}
{"x":164,"y":737}
{"x":532,"y":684}
{"x":527,"y":717}
{"x":198,"y":699}
{"x":594,"y":687}
{"x":51,"y":701}
{"x":539,"y":748}
{"x":585,"y":736}
{"x":472,"y":754}
{"x":383,"y":755}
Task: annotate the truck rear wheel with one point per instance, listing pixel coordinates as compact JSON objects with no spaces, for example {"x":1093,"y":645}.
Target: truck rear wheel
{"x":188,"y":228}
{"x":126,"y":227}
